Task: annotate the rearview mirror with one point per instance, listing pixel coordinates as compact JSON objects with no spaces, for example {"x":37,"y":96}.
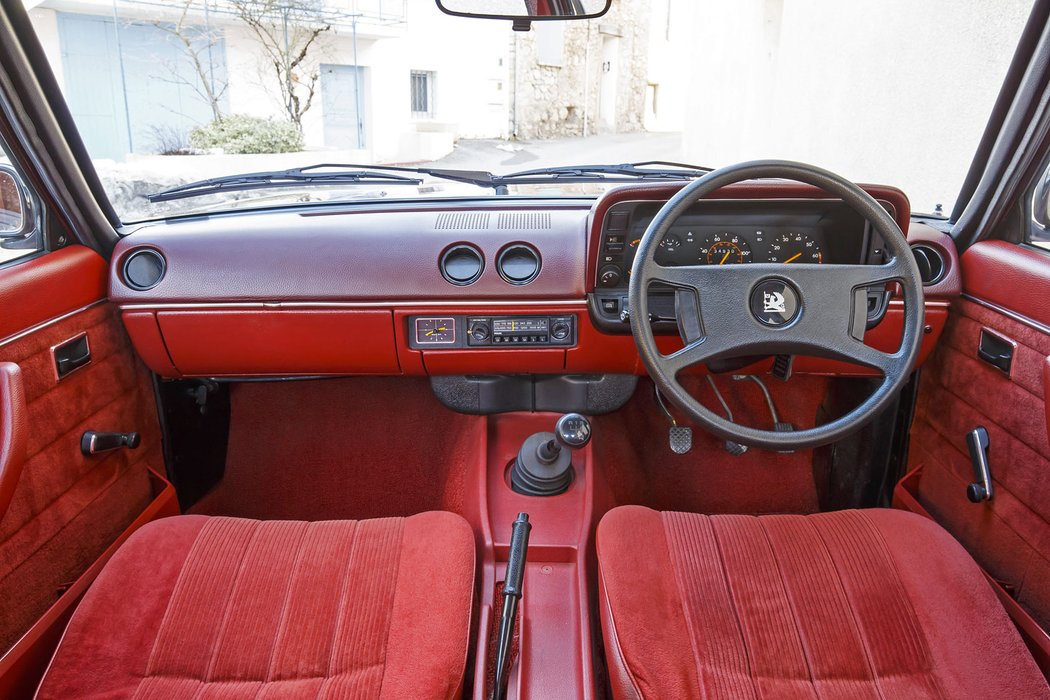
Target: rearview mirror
{"x":526,"y":10}
{"x":13,"y":205}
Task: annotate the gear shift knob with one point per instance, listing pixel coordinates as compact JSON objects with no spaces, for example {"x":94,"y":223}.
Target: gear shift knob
{"x":573,"y":431}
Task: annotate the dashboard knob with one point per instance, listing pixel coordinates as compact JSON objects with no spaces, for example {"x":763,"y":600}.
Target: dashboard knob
{"x":609,"y":276}
{"x":560,"y":330}
{"x":480,"y":332}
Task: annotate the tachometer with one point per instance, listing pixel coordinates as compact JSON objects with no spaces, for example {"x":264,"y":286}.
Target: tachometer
{"x":725,"y":249}
{"x":794,"y":248}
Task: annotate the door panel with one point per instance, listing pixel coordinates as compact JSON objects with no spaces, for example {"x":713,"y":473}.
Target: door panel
{"x":1009,"y":535}
{"x":67,"y":508}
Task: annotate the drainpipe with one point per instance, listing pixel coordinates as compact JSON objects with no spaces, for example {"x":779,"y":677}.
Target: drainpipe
{"x":587,"y":79}
{"x":357,"y":89}
{"x":123,"y":77}
{"x":514,"y":86}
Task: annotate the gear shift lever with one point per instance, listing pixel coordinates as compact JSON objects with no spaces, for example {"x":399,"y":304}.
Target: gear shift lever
{"x":544,"y":463}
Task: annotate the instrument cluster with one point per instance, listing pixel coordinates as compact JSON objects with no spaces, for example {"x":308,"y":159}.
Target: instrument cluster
{"x":722,"y":245}
{"x":736,"y":232}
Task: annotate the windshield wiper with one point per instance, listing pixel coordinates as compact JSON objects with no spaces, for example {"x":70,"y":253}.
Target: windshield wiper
{"x":625,"y":172}
{"x":337,"y":174}
{"x":323,"y":174}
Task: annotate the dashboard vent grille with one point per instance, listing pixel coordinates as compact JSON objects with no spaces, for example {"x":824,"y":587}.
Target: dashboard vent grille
{"x":470,"y":220}
{"x":524,"y":220}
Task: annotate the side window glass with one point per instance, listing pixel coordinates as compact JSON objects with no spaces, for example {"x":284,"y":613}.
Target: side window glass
{"x":20,"y":233}
{"x":1038,"y":233}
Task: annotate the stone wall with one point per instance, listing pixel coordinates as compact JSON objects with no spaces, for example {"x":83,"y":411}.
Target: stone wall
{"x":553,"y":98}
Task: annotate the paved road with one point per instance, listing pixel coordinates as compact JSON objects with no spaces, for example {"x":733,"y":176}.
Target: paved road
{"x":507,"y":156}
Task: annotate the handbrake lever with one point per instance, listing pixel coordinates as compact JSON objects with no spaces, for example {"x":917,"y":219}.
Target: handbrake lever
{"x":519,"y":546}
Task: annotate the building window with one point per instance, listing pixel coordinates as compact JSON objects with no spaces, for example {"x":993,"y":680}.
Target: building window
{"x":422,"y":93}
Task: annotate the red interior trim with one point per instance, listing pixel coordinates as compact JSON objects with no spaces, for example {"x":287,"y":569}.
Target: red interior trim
{"x":29,"y":294}
{"x":1034,"y":636}
{"x":277,"y":342}
{"x":13,"y":431}
{"x":555,"y":659}
{"x":231,"y":342}
{"x":1046,"y":394}
{"x":22,"y":667}
{"x":1008,"y":275}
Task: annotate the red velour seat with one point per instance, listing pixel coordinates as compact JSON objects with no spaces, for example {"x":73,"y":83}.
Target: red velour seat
{"x":209,"y":607}
{"x":858,"y":604}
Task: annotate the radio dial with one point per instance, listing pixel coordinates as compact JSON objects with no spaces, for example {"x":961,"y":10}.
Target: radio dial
{"x":480,"y":331}
{"x":560,"y":330}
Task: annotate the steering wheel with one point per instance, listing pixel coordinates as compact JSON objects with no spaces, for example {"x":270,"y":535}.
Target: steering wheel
{"x":728,"y":311}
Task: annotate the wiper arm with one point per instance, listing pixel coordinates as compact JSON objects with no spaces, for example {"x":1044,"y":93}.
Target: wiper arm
{"x":323,"y":174}
{"x":665,"y":170}
{"x":329,"y":174}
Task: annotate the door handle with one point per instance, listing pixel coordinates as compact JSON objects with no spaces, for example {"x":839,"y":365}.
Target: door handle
{"x":997,"y":350}
{"x":13,"y":435}
{"x":71,"y":355}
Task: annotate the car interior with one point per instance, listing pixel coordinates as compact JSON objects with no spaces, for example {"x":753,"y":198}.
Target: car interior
{"x":750,"y":431}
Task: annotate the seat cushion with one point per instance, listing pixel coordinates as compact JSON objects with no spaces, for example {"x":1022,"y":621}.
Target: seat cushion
{"x":210,"y":607}
{"x":874,"y":603}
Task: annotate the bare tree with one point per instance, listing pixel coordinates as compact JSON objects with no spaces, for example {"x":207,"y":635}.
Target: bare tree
{"x":198,"y":43}
{"x":289,"y":34}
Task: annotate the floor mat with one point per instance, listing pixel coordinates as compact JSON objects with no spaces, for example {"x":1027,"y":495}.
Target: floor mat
{"x":341,"y":448}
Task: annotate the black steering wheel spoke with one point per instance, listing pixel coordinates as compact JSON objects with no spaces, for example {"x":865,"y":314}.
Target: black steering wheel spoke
{"x":726,"y":311}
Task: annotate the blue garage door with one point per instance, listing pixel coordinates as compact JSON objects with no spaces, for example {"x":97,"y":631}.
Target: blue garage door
{"x":129,"y":86}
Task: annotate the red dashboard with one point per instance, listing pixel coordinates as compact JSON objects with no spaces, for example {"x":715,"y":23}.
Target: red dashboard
{"x":481,"y":288}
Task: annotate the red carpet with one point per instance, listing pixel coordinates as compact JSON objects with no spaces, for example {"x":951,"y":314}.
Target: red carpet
{"x":374,"y":447}
{"x":342,"y":448}
{"x":638,"y":466}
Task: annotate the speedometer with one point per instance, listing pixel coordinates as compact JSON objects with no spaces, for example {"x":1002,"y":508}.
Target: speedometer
{"x":725,"y":249}
{"x":794,"y":248}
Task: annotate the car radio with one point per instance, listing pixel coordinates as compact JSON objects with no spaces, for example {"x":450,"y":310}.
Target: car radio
{"x":491,"y":331}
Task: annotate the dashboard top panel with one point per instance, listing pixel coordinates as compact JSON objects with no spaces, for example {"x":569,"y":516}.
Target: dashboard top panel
{"x":379,"y":255}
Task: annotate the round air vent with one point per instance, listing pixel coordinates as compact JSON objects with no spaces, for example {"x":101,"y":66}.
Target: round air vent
{"x":462,"y":264}
{"x":518,"y":263}
{"x":930,"y":262}
{"x":144,"y":269}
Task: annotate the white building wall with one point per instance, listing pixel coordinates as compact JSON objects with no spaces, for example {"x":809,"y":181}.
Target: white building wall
{"x":764,"y":73}
{"x":468,"y":59}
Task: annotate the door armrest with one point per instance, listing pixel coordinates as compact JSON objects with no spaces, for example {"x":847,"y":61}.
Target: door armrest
{"x":1046,"y":395}
{"x":12,"y":431}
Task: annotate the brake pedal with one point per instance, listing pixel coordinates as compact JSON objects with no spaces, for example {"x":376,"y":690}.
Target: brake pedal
{"x":679,"y":437}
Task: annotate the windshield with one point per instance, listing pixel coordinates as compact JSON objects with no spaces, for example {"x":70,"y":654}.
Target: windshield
{"x":164,"y":94}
